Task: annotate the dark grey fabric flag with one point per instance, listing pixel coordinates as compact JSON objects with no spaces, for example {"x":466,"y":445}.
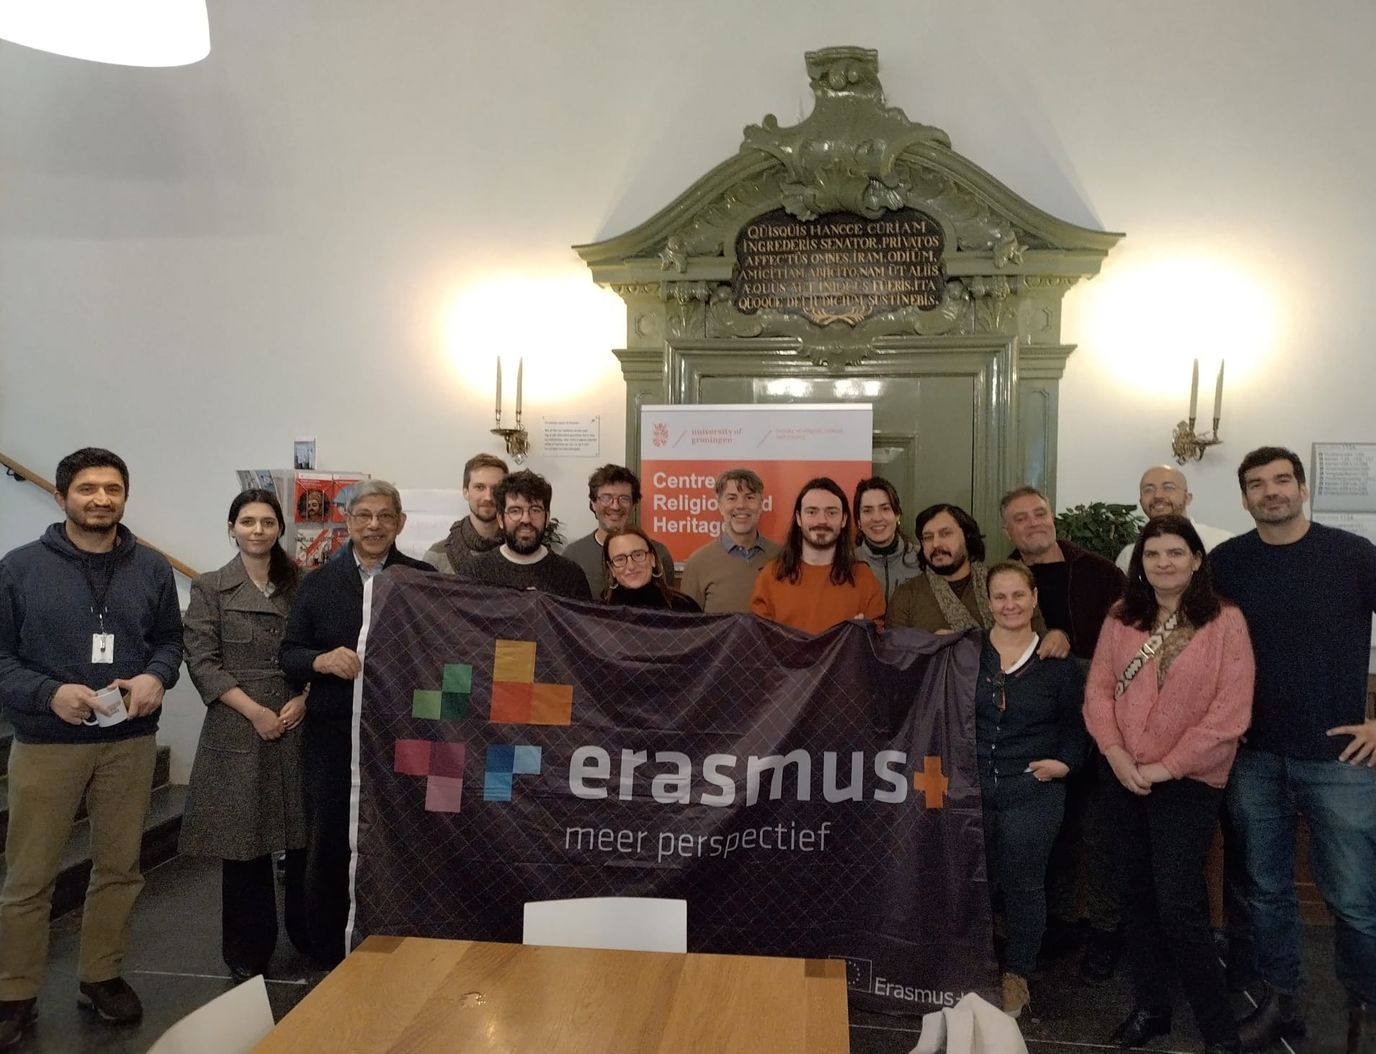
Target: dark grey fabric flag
{"x":808,"y":796}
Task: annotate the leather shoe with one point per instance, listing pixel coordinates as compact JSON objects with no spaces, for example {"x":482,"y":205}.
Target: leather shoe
{"x":15,"y":1016}
{"x":1142,"y":1026}
{"x":1277,"y":1017}
{"x":113,"y":1001}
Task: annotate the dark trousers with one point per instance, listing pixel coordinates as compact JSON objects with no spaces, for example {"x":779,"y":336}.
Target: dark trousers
{"x":1082,"y":858}
{"x":248,"y":915}
{"x":326,"y":751}
{"x":1021,"y":818}
{"x":1162,"y":842}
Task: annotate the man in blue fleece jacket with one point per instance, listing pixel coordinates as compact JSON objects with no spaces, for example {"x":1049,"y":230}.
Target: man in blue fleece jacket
{"x":84,"y":608}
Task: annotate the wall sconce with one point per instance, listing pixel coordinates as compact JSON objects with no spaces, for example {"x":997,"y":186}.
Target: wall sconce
{"x":517,"y":439}
{"x":1186,"y":445}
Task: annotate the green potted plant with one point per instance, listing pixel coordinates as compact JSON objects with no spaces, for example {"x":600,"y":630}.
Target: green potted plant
{"x":1100,"y":527}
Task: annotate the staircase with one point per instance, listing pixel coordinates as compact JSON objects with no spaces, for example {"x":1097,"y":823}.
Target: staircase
{"x":160,"y":830}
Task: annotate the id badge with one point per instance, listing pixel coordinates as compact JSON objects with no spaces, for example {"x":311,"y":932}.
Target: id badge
{"x":102,"y":647}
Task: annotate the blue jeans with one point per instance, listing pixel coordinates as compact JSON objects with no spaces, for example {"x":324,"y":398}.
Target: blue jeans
{"x":1338,"y":800}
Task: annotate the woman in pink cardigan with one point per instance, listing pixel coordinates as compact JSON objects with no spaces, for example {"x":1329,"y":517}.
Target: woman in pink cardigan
{"x":1169,"y":694}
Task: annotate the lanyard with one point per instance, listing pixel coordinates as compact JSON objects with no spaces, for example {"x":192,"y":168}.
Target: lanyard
{"x":98,"y":597}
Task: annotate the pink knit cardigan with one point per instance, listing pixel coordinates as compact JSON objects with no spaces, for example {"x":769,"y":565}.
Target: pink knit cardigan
{"x":1192,"y":723}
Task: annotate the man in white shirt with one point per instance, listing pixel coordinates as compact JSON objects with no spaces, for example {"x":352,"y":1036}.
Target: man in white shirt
{"x":1164,"y":492}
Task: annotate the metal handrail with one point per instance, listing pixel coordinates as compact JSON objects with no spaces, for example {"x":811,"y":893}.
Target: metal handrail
{"x":24,"y":475}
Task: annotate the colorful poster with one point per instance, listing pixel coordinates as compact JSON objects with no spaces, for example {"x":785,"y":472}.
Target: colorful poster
{"x":808,"y":796}
{"x":683,"y":448}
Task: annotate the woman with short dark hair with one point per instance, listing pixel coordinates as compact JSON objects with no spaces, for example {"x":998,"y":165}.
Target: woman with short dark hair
{"x":1168,"y":697}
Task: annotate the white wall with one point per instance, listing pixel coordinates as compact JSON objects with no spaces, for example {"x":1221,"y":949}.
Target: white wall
{"x":309,"y":232}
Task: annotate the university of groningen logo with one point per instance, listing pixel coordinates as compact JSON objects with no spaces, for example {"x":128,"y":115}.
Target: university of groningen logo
{"x":517,"y":699}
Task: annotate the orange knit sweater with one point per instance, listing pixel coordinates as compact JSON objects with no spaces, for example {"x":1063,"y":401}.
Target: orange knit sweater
{"x":814,"y":603}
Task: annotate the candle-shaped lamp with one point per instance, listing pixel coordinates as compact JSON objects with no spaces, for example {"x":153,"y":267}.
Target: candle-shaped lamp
{"x":1218,"y":396}
{"x":499,"y":389}
{"x":1194,"y":392}
{"x":520,"y":377}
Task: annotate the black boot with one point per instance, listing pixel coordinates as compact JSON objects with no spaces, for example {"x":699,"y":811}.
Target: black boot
{"x":1361,"y":1030}
{"x":1277,"y":1017}
{"x":1142,"y":1026}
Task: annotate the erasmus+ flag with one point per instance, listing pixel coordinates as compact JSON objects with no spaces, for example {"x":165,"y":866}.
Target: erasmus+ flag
{"x":808,"y":796}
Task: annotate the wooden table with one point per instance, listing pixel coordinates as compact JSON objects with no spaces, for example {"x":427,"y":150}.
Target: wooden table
{"x":417,"y":994}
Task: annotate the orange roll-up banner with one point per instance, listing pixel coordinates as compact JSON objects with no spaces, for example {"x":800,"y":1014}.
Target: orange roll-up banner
{"x":683,"y":448}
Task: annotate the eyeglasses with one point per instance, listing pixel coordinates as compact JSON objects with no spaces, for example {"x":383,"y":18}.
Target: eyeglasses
{"x":524,"y":512}
{"x":383,"y":519}
{"x":609,"y":500}
{"x":635,"y":556}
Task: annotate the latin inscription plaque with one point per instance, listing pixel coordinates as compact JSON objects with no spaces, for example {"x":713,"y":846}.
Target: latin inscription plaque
{"x":840,"y":267}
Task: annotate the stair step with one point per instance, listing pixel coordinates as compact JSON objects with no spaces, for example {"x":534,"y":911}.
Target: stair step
{"x":162,"y":766}
{"x":160,"y":830}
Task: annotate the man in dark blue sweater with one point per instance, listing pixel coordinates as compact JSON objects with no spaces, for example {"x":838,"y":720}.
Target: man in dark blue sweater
{"x":83,"y":609}
{"x":1308,"y":592}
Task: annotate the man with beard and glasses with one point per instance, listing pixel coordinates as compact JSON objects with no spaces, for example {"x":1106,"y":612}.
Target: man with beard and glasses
{"x":523,"y":561}
{"x":950,"y":594}
{"x":84,"y":609}
{"x":1163,"y":491}
{"x":480,"y":530}
{"x":1308,"y":592}
{"x":816,"y":581}
{"x":884,"y":545}
{"x":613,"y":495}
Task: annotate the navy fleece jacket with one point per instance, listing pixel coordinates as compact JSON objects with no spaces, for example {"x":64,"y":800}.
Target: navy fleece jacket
{"x":47,"y":621}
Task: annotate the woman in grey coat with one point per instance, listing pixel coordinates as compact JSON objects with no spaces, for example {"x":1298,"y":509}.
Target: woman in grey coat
{"x":245,"y":800}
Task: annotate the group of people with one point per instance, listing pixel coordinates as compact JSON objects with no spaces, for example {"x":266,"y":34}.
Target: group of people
{"x":1162,"y":666}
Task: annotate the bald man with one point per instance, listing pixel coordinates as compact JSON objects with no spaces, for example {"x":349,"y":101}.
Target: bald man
{"x":1164,"y":492}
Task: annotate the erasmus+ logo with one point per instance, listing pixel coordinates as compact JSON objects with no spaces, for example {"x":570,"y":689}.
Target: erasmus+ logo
{"x":598,"y":773}
{"x":516,"y":700}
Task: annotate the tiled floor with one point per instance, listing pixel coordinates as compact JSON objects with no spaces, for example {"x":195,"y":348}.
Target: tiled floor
{"x":174,"y":963}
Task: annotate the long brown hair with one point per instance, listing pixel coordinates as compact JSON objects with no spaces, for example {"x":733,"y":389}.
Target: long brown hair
{"x":789,"y":567}
{"x":1199,"y":603}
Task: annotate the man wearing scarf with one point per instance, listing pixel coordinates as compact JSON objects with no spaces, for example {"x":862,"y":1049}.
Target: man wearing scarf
{"x":480,"y":531}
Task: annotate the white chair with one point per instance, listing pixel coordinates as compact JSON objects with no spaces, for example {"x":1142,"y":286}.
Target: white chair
{"x":638,"y":924}
{"x":232,"y":1023}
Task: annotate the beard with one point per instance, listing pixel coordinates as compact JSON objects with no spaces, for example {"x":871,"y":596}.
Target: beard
{"x":526,"y":544}
{"x":821,"y":537}
{"x":953,"y":563}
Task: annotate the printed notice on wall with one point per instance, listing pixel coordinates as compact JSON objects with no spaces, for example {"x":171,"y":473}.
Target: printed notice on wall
{"x":572,"y":437}
{"x":1343,"y":478}
{"x":1361,"y":523}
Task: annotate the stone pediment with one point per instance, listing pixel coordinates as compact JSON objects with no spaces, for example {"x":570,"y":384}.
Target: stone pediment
{"x":853,"y":154}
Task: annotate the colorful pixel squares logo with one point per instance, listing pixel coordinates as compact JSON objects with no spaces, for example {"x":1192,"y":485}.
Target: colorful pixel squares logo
{"x":517,"y":699}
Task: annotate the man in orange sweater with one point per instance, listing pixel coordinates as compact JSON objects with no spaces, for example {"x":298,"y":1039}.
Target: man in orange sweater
{"x":816,"y":581}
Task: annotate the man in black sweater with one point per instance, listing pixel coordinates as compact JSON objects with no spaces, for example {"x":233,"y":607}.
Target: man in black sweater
{"x":320,"y":648}
{"x":1308,"y":592}
{"x":523,"y":561}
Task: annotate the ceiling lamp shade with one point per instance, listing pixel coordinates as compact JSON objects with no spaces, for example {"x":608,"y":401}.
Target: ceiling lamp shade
{"x":125,"y":32}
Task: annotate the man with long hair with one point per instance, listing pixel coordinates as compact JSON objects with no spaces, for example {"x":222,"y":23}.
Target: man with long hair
{"x":816,"y":581}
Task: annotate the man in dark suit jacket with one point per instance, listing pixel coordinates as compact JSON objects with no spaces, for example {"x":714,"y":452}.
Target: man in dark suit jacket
{"x":320,"y":649}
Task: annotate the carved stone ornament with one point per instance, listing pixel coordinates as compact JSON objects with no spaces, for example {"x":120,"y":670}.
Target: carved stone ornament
{"x":856,"y":172}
